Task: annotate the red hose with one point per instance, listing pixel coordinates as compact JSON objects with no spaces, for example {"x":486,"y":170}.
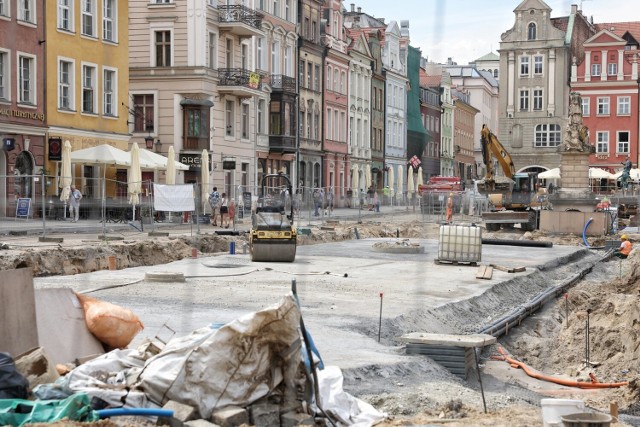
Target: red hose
{"x":569,"y":383}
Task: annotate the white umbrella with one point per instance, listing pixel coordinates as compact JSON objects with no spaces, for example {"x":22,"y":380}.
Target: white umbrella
{"x":65,"y":172}
{"x":204,"y":179}
{"x":390,"y":180}
{"x":354,"y":181}
{"x":597,"y":173}
{"x":410,"y":184}
{"x":134,"y":182}
{"x":634,"y":174}
{"x":368,"y":176}
{"x":159,"y":161}
{"x":550,"y":174}
{"x":171,"y":167}
{"x":400,"y":179}
{"x":420,"y":179}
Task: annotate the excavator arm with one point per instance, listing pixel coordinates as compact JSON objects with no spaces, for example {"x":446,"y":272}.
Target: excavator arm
{"x":491,"y":147}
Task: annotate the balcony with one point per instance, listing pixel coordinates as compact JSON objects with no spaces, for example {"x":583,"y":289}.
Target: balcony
{"x":282,"y":144}
{"x":280,"y":82}
{"x":240,"y":20}
{"x":239,"y":82}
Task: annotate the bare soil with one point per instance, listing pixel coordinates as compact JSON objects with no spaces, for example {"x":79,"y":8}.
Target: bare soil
{"x":550,"y":341}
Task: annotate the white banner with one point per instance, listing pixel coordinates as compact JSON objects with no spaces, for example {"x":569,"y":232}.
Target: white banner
{"x":173,"y":198}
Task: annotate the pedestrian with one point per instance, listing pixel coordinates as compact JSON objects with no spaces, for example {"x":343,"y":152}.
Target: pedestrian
{"x":625,"y":247}
{"x":376,"y":201}
{"x":450,"y":208}
{"x":214,"y":202}
{"x":385,"y":195}
{"x":370,"y":192}
{"x":232,"y":213}
{"x":330,"y":200}
{"x":224,"y":210}
{"x":349,"y":197}
{"x":74,"y":203}
{"x":317,"y":201}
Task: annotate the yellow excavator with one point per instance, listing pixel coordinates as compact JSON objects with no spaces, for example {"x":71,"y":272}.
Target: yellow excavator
{"x":273,"y":237}
{"x":514,"y":198}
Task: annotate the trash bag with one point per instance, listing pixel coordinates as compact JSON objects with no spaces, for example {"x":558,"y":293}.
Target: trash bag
{"x":18,"y":412}
{"x":13,"y":385}
{"x":111,"y":324}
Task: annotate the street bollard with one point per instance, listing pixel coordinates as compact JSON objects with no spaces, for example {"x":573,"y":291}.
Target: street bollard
{"x":232,"y":248}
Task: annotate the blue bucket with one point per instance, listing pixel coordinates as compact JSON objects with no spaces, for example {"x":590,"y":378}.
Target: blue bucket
{"x":232,"y":248}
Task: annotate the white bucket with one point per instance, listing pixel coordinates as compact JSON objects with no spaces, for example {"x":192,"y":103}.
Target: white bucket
{"x":554,"y":409}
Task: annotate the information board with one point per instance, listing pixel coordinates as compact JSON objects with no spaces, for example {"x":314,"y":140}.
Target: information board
{"x":23,"y":208}
{"x":246,"y":202}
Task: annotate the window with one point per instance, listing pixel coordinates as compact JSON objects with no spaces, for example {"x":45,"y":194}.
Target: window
{"x":26,"y":79}
{"x":65,"y":85}
{"x":228,"y":118}
{"x":88,"y":89}
{"x":537,"y":64}
{"x":65,"y":15}
{"x":624,"y":105}
{"x":260,"y":54}
{"x":612,"y":69}
{"x":275,"y":58}
{"x":547,"y":135}
{"x":328,"y":124}
{"x":245,"y":120}
{"x":301,"y":116}
{"x":309,"y":76}
{"x":316,"y":125}
{"x":26,"y":11}
{"x":244,"y":56}
{"x":109,"y":86}
{"x":329,"y":80}
{"x":143,"y":112}
{"x":261,"y":115}
{"x":531,"y":31}
{"x":196,"y":127}
{"x":163,"y":48}
{"x":4,"y":7}
{"x":109,"y":15}
{"x":301,"y":68}
{"x":343,"y":82}
{"x":603,"y":106}
{"x":595,"y":69}
{"x":287,"y":12}
{"x":524,"y":65}
{"x":229,"y":53}
{"x":309,"y":123}
{"x":4,"y":75}
{"x":88,"y":18}
{"x":275,"y":121}
{"x":213,"y":44}
{"x":524,"y":99}
{"x":623,"y":142}
{"x":316,"y":78}
{"x":276,"y":7}
{"x":586,"y":110}
{"x":336,"y":80}
{"x":602,"y":142}
{"x":537,"y":99}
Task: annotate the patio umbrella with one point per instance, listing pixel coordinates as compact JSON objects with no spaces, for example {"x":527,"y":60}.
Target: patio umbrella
{"x":170,"y":178}
{"x":400,"y":179}
{"x":65,"y":175}
{"x":368,"y":176}
{"x":354,"y":182}
{"x":550,"y":174}
{"x":410,"y":184}
{"x":597,"y":173}
{"x":634,"y":174}
{"x":420,"y":179}
{"x":159,"y":161}
{"x":134,"y":181}
{"x":390,"y":180}
{"x":204,"y":179}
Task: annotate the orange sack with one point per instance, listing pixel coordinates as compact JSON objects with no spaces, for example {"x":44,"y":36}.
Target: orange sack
{"x":109,"y":323}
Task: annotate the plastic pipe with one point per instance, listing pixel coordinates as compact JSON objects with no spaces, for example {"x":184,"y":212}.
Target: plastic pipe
{"x":584,"y":233}
{"x":568,"y":383}
{"x":529,"y":243}
{"x":145,"y":412}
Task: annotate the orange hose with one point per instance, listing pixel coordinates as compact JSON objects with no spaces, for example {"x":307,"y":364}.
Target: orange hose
{"x":568,"y":383}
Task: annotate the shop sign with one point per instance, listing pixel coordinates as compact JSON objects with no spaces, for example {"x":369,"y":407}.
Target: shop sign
{"x":55,"y":149}
{"x":32,"y":115}
{"x":193,"y":160}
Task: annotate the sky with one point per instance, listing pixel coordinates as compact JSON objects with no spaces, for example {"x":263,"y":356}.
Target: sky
{"x":465,"y":30}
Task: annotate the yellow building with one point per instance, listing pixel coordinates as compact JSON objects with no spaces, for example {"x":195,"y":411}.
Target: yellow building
{"x":87,"y":83}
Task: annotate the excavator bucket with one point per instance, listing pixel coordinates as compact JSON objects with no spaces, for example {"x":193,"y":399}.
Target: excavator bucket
{"x":499,"y":184}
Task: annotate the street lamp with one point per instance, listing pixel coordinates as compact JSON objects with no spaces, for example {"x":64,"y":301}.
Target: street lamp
{"x":148,"y":141}
{"x":158,"y":146}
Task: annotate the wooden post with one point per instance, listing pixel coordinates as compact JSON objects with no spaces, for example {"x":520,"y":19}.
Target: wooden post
{"x":613,"y":410}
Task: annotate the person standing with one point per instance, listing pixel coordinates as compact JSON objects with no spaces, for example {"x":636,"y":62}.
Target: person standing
{"x":74,"y":203}
{"x":224,"y":210}
{"x":376,"y":201}
{"x":214,"y":202}
{"x":330,"y":200}
{"x":625,"y":247}
{"x":450,"y":208}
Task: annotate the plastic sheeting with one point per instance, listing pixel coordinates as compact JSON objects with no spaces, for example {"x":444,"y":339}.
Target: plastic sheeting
{"x":173,"y":198}
{"x":236,"y":364}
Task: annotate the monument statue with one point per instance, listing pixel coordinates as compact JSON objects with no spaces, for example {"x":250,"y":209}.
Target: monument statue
{"x":576,"y":135}
{"x":626,"y":174}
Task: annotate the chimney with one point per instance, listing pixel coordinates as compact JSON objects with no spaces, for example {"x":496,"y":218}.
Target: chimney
{"x":353,"y":7}
{"x":359,"y":9}
{"x":574,"y":9}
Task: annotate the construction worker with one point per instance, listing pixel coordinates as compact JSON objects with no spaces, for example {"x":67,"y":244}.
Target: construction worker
{"x":450,"y":208}
{"x":625,"y":247}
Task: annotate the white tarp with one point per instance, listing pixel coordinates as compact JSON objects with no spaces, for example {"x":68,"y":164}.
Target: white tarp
{"x":173,"y":198}
{"x":235,"y":365}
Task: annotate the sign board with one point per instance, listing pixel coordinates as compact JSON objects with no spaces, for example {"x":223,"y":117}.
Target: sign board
{"x":193,"y":160}
{"x":246,"y":201}
{"x":229,"y":165}
{"x":23,"y":208}
{"x":55,"y":149}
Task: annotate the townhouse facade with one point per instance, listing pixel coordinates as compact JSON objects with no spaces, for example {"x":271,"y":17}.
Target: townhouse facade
{"x":535,"y":62}
{"x":464,"y":135}
{"x":607,"y":81}
{"x":417,"y":135}
{"x":430,"y":112}
{"x":22,"y":102}
{"x":447,"y":153}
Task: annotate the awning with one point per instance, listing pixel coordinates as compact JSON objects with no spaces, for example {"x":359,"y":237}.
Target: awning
{"x":199,"y":102}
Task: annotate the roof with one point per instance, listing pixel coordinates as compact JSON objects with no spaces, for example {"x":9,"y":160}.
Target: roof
{"x":621,"y":28}
{"x":488,"y":57}
{"x":430,"y":81}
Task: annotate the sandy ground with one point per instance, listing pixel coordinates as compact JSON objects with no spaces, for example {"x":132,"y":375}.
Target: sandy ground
{"x":550,"y":341}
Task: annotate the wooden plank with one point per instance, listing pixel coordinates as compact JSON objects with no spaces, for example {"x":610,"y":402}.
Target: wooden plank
{"x":17,"y":312}
{"x":484,"y":272}
{"x":474,"y":340}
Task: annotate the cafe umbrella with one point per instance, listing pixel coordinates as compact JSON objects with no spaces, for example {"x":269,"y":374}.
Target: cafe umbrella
{"x":134,"y":178}
{"x":65,"y":175}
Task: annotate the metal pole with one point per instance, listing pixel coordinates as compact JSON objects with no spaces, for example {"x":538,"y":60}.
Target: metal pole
{"x":380,"y":321}
{"x":484,"y":402}
{"x":44,"y":208}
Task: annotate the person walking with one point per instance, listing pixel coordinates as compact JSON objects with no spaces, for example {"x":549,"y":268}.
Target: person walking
{"x":214,"y":202}
{"x":330,"y":200}
{"x":376,"y":201}
{"x":74,"y":203}
{"x":625,"y":247}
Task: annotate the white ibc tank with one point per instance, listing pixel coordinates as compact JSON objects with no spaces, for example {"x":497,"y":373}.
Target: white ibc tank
{"x":460,"y":243}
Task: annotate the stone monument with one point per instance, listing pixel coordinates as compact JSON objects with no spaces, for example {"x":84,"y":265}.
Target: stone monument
{"x":575,"y":191}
